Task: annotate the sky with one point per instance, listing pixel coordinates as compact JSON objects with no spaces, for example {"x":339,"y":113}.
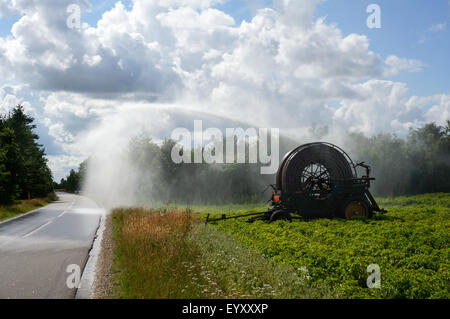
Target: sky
{"x":157,"y":65}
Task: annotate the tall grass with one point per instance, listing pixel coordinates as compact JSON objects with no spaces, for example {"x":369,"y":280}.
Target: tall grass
{"x":24,"y":206}
{"x":169,"y":254}
{"x":155,"y":258}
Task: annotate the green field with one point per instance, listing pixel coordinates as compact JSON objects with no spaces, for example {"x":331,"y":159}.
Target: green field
{"x":410,"y":244}
{"x":170,"y":253}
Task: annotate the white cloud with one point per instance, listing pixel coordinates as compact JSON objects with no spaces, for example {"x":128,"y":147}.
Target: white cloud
{"x":135,"y":65}
{"x":384,"y":106}
{"x":92,"y":60}
{"x":58,"y":132}
{"x":439,"y":112}
{"x":394,"y":65}
{"x":10,"y":97}
{"x":61,"y":164}
{"x":7,"y":8}
{"x":438,"y":27}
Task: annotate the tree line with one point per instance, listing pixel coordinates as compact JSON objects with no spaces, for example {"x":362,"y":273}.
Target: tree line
{"x":74,"y":181}
{"x":24,"y":172}
{"x":415,"y":165}
{"x":419,"y":163}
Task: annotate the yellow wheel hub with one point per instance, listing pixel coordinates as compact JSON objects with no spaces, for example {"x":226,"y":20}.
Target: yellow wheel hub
{"x":356,"y":209}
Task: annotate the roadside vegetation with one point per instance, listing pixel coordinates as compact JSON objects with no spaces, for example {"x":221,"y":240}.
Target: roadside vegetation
{"x":24,"y":206}
{"x":170,"y":253}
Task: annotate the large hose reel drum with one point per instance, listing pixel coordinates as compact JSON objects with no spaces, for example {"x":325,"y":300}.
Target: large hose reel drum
{"x":312,"y":167}
{"x":311,"y":171}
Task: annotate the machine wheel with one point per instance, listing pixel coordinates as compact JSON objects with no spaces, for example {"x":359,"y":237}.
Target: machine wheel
{"x":356,"y":207}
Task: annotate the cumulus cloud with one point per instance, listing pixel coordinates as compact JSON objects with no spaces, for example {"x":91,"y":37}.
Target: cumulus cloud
{"x":10,"y":97}
{"x":137,"y":65}
{"x":7,"y":8}
{"x":439,"y":111}
{"x":394,"y":65}
{"x":62,"y":164}
{"x":116,"y":56}
{"x":384,"y":106}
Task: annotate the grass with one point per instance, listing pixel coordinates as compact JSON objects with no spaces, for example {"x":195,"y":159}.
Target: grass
{"x":234,"y":271}
{"x":154,"y":257}
{"x":169,"y":253}
{"x":24,"y":206}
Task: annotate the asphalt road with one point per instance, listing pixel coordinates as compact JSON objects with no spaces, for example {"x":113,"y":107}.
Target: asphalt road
{"x":36,"y":249}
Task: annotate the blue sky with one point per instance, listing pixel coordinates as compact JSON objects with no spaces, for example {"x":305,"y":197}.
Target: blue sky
{"x":406,"y":32}
{"x":73,"y":79}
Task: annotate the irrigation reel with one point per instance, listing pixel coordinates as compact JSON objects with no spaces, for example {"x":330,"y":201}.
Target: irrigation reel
{"x":317,"y":180}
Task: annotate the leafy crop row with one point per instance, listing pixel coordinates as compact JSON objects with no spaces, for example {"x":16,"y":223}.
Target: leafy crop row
{"x":410,"y":244}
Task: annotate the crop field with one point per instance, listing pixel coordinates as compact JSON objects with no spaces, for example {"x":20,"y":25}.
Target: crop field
{"x":410,"y":244}
{"x":169,"y":253}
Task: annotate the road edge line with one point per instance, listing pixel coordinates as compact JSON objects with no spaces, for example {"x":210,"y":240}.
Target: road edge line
{"x":87,"y":281}
{"x":27,"y":213}
{"x":23,"y":215}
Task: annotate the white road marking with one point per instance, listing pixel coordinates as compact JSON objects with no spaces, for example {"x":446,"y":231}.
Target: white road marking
{"x":49,"y":222}
{"x":42,"y":226}
{"x":62,"y":213}
{"x":37,"y":229}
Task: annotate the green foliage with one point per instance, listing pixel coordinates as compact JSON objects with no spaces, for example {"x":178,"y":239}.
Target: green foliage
{"x":74,"y":181}
{"x":23,"y":166}
{"x":9,"y":166}
{"x":410,"y":244}
{"x":234,"y":271}
{"x":415,"y":165}
{"x":25,"y":206}
{"x":161,"y":180}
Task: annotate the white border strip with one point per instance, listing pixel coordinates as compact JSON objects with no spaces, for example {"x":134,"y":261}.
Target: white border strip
{"x":23,"y":215}
{"x":86,"y":288}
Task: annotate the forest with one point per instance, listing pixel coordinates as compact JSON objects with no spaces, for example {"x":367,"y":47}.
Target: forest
{"x":24,"y":172}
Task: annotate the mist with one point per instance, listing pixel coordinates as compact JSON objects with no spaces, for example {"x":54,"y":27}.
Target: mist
{"x":131,"y":164}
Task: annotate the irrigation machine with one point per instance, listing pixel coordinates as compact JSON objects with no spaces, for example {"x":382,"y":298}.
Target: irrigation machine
{"x":317,"y":180}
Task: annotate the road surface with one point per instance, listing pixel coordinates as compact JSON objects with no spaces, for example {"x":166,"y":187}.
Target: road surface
{"x":36,"y":249}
